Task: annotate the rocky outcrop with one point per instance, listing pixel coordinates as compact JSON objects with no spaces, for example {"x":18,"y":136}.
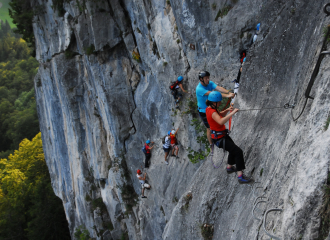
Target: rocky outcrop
{"x":102,"y":90}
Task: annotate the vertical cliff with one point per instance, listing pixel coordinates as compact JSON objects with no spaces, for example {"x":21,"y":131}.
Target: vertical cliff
{"x":102,"y":90}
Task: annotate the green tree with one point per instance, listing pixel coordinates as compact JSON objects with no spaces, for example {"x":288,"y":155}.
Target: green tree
{"x":29,"y":208}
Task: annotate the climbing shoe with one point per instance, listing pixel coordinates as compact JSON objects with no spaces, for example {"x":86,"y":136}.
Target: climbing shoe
{"x":244,"y":179}
{"x":230,"y":170}
{"x":172,"y":155}
{"x":166,"y":162}
{"x":176,"y":156}
{"x":143,"y":197}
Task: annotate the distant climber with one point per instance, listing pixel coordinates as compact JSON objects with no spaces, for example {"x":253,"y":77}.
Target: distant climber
{"x":242,"y":55}
{"x":203,"y":89}
{"x":146,"y":149}
{"x":220,"y":135}
{"x":167,"y":145}
{"x":142,"y":180}
{"x":175,"y":86}
{"x":174,"y":143}
{"x":236,"y":81}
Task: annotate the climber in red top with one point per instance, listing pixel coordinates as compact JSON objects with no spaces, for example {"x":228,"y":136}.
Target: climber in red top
{"x":220,"y":137}
{"x":174,"y":143}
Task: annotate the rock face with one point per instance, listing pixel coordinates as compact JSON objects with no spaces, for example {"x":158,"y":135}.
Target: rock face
{"x":102,"y":90}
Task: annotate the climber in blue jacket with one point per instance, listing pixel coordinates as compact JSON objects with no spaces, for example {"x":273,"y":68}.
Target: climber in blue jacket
{"x":203,"y":89}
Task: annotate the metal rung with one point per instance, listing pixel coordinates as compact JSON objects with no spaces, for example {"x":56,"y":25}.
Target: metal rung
{"x":265,"y":219}
{"x":258,"y":208}
{"x":325,"y":52}
{"x":261,"y":196}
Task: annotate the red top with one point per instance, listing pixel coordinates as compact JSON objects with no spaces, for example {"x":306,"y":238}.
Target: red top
{"x":173,"y":138}
{"x":213,"y":124}
{"x":147,"y":148}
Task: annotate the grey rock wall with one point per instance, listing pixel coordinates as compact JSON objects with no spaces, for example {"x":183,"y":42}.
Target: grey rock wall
{"x":97,"y":105}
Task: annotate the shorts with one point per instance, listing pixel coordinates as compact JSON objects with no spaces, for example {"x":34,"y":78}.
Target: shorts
{"x":145,"y":185}
{"x":204,"y":119}
{"x":175,"y":146}
{"x":167,"y":149}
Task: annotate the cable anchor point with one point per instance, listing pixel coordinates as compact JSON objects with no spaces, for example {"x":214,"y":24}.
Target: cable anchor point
{"x":288,"y":105}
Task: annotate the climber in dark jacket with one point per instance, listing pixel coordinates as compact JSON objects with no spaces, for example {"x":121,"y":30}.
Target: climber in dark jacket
{"x":220,"y":137}
{"x":147,"y":153}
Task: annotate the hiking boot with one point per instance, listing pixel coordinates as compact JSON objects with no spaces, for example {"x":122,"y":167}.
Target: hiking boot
{"x":244,"y":179}
{"x":230,"y":170}
{"x":143,"y":197}
{"x":172,"y":155}
{"x":176,"y":156}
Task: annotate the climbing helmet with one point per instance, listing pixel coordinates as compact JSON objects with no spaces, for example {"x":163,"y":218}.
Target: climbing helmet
{"x":180,"y":78}
{"x":169,"y":132}
{"x":214,"y":96}
{"x":138,"y":171}
{"x":148,"y":141}
{"x":203,"y":74}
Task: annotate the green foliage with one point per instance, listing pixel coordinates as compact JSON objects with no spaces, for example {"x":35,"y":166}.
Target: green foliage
{"x":81,"y":233}
{"x":175,"y":200}
{"x":325,"y":211}
{"x":325,"y":30}
{"x":69,"y":54}
{"x":223,"y":12}
{"x":18,"y":113}
{"x":28,"y":206}
{"x":136,"y":56}
{"x":327,"y":123}
{"x":178,"y":41}
{"x":214,"y":6}
{"x":124,"y":236}
{"x":195,"y":156}
{"x":164,"y":64}
{"x":89,"y":50}
{"x":4,"y":13}
{"x":58,"y":5}
{"x":108,"y":225}
{"x":261,"y":171}
{"x":22,"y":14}
{"x":168,"y":2}
{"x":98,"y":203}
{"x":207,"y":231}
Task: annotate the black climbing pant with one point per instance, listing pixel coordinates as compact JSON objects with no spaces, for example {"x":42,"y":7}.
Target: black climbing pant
{"x":147,"y":161}
{"x":235,"y":153}
{"x":176,"y":94}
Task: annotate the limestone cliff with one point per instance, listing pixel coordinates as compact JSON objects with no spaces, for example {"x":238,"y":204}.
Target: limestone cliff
{"x":102,"y":90}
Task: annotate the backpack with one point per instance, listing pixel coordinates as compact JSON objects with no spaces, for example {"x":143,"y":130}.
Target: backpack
{"x":174,"y":84}
{"x":163,"y":139}
{"x":144,"y":150}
